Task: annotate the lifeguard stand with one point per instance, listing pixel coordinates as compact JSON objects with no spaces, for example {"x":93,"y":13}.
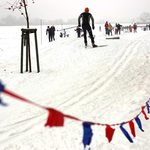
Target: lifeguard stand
{"x":25,"y":41}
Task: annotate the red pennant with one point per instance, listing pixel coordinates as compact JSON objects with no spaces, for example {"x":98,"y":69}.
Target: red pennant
{"x":132,"y":128}
{"x":55,"y":118}
{"x":109,"y":133}
{"x":144,"y":113}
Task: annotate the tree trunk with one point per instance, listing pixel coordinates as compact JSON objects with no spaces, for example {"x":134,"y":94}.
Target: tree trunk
{"x":27,"y":18}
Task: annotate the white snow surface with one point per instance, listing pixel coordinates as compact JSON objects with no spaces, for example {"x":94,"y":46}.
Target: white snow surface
{"x":107,"y":84}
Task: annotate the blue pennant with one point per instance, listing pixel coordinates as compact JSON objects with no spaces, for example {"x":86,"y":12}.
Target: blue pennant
{"x":1,"y":87}
{"x":3,"y":103}
{"x":148,"y":107}
{"x":126,"y":133}
{"x":138,"y":121}
{"x":87,"y":134}
{"x":1,"y":90}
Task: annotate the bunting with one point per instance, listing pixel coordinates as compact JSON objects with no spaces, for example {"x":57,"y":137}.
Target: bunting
{"x":124,"y":131}
{"x":132,"y":128}
{"x":87,"y":134}
{"x":138,"y":121}
{"x":148,"y":106}
{"x":57,"y":119}
{"x":143,"y":112}
{"x":1,"y":87}
{"x":109,"y":133}
{"x":2,"y":103}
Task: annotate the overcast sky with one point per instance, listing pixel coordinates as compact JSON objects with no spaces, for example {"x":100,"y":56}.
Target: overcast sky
{"x":65,"y":9}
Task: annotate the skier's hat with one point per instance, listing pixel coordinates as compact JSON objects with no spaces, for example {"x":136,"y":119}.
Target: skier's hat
{"x":86,"y":9}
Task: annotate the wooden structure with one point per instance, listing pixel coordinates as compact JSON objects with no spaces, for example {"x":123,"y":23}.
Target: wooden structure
{"x":25,"y":42}
{"x":112,"y":38}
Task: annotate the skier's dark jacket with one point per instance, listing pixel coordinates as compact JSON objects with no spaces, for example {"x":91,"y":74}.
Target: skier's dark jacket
{"x":86,"y":16}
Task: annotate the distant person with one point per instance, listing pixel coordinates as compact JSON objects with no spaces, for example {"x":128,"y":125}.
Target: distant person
{"x":106,"y":28}
{"x":135,"y":27}
{"x":86,"y":17}
{"x":65,"y":33}
{"x":61,"y":34}
{"x":116,"y":29}
{"x":119,"y":28}
{"x":100,"y":28}
{"x":49,"y":33}
{"x":130,"y":28}
{"x":53,"y":33}
{"x":78,"y":30}
{"x":110,"y":28}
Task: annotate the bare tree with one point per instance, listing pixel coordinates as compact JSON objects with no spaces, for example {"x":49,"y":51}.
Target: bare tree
{"x":18,"y":5}
{"x":25,"y":37}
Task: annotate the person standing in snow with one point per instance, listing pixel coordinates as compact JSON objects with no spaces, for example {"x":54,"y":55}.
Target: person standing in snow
{"x":53,"y":32}
{"x":78,"y":30}
{"x":106,"y":28}
{"x":135,"y":27}
{"x":49,"y":33}
{"x":86,"y":16}
{"x":119,"y":28}
{"x":110,"y":28}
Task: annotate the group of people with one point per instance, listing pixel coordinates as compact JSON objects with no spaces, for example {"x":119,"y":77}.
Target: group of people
{"x":64,"y":34}
{"x":118,"y":28}
{"x":50,"y":31}
{"x":130,"y":28}
{"x":147,"y":27}
{"x":109,"y":28}
{"x":86,"y":17}
{"x":86,"y":27}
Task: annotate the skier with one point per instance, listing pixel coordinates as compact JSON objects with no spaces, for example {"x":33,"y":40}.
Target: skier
{"x":86,"y":16}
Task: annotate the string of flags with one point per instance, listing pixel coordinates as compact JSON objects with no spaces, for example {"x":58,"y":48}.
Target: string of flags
{"x":56,"y":119}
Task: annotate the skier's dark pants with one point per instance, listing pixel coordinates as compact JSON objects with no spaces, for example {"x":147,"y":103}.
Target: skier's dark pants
{"x":50,"y":37}
{"x":85,"y":29}
{"x":79,"y":34}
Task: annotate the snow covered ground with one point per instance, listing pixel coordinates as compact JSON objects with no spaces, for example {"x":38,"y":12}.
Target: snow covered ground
{"x":107,"y":84}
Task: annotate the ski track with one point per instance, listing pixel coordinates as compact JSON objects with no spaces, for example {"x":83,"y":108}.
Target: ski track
{"x":18,"y":128}
{"x":99,"y":84}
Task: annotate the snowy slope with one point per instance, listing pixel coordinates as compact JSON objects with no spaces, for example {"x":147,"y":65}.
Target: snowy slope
{"x":106,"y":84}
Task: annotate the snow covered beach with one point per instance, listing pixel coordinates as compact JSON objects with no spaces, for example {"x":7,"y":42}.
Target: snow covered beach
{"x":107,"y":84}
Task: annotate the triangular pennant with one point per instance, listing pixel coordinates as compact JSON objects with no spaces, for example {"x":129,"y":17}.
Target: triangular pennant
{"x":143,"y":111}
{"x":55,"y":118}
{"x":138,"y":121}
{"x":148,"y":106}
{"x":87,"y":134}
{"x":1,"y":87}
{"x":109,"y":132}
{"x":3,"y":103}
{"x":126,"y":133}
{"x":132,"y":128}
